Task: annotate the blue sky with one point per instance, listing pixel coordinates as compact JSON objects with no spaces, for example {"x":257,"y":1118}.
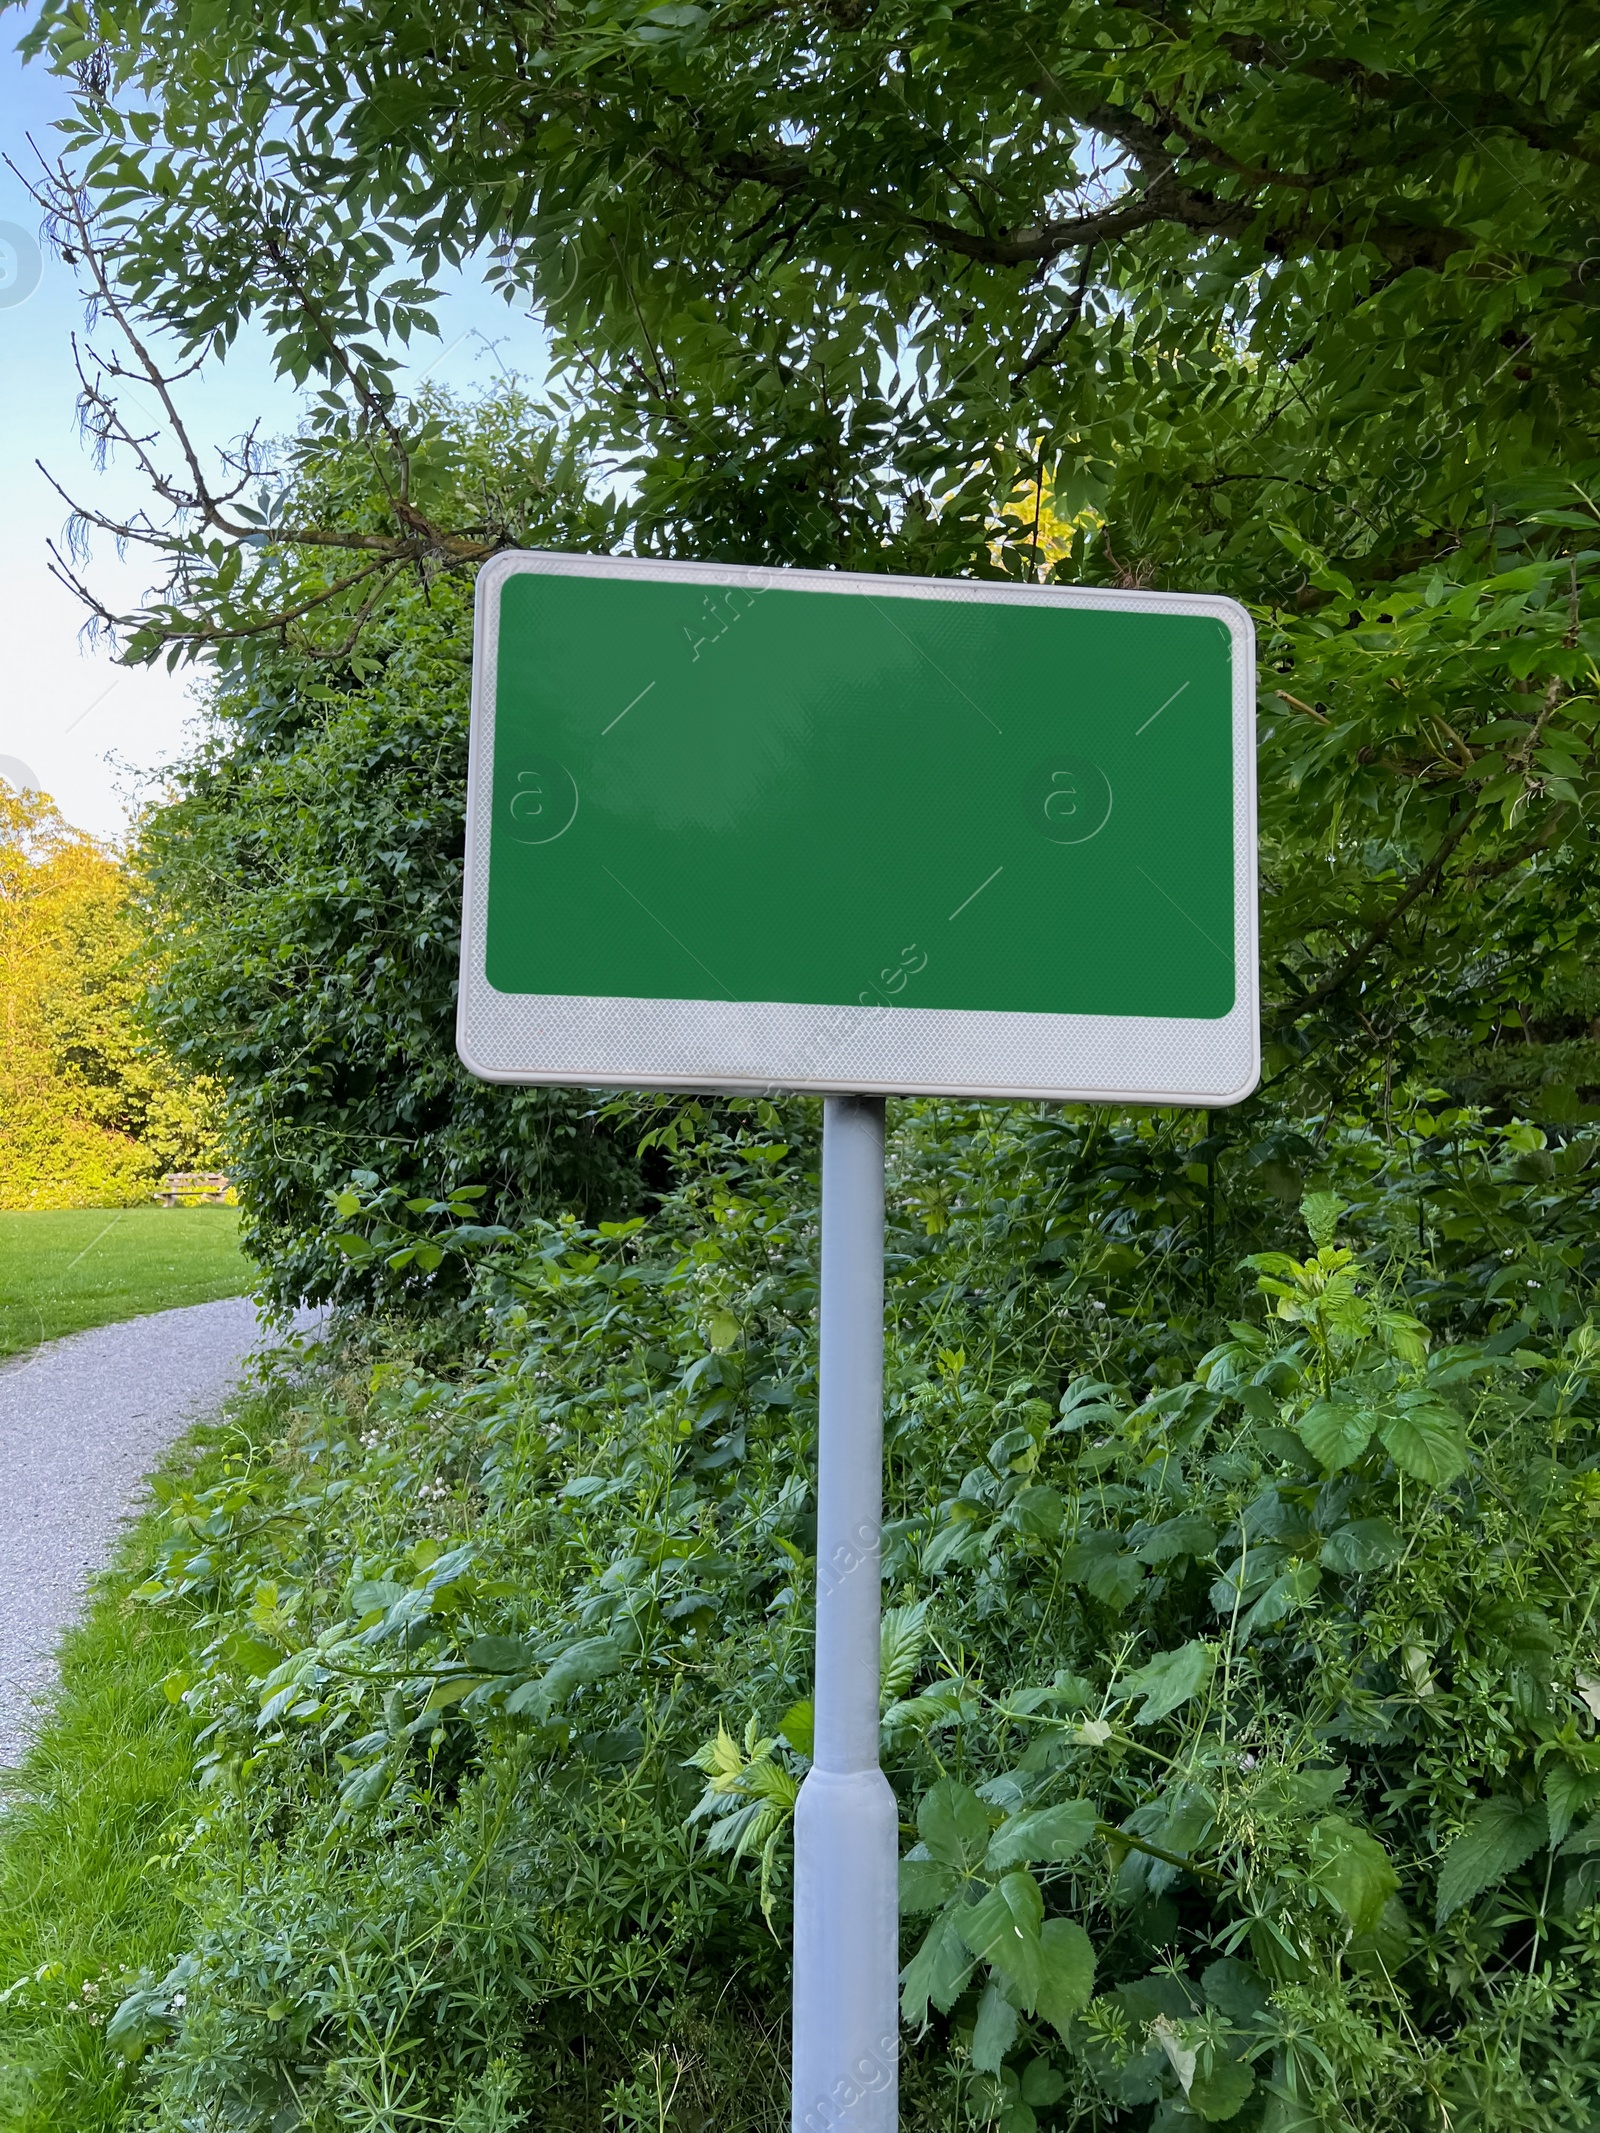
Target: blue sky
{"x":94,"y":734}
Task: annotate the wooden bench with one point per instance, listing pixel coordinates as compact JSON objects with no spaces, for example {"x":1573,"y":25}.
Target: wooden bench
{"x":193,"y":1188}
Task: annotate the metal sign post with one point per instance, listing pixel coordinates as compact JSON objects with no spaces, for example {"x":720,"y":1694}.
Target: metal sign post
{"x":846,"y":1824}
{"x":865,"y":836}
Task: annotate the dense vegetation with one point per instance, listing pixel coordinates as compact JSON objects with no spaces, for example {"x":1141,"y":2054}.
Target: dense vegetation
{"x":1243,"y":1469}
{"x":91,"y":1113}
{"x":1261,"y":1685}
{"x":302,"y":893}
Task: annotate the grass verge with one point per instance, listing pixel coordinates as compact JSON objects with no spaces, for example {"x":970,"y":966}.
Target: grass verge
{"x":68,"y":1269}
{"x":90,"y":1833}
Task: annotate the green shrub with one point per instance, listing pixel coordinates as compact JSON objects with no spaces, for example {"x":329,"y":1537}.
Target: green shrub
{"x":302,"y":886}
{"x":1256,"y":1689}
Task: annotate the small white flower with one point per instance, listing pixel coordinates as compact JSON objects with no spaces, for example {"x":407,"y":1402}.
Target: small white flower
{"x":179,"y":1999}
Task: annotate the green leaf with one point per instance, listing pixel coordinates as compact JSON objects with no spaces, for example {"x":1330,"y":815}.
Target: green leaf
{"x":925,"y":1884}
{"x":797,"y":1726}
{"x":1042,"y":2084}
{"x":1499,"y":1836}
{"x":1235,"y":1990}
{"x":954,"y":1824}
{"x":1049,"y":1833}
{"x":499,"y":1655}
{"x":1426,"y":1439}
{"x":1187,"y":1534}
{"x":1100,"y":1564}
{"x":592,"y":1659}
{"x":1568,"y":1793}
{"x":1336,"y":1432}
{"x":1066,"y":1972}
{"x":995,"y":2030}
{"x":900,"y":1644}
{"x":938,"y":1972}
{"x":1222,"y":2091}
{"x":250,"y":1655}
{"x":1352,"y":1868}
{"x":1170,"y":1679}
{"x":1004,"y":1929}
{"x":1038,"y":1512}
{"x":1364,"y":1545}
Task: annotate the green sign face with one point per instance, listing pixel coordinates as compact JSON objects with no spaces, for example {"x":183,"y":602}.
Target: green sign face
{"x":799,"y":829}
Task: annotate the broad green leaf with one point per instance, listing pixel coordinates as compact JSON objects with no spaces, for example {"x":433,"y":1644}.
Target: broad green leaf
{"x":1568,"y":1793}
{"x":1353,"y":1868}
{"x":1287,"y":1592}
{"x":995,"y":2030}
{"x":937,"y":1973}
{"x":499,"y":1655}
{"x":1038,"y":1512}
{"x":900,"y":1643}
{"x":1219,"y":2092}
{"x":1187,"y":1534}
{"x":1048,"y":1833}
{"x":925,"y":1884}
{"x":1336,"y":1432}
{"x":1170,"y":1679}
{"x":363,"y":1788}
{"x":1500,"y":1834}
{"x":1234,"y":1989}
{"x":1100,"y":1564}
{"x":1366,"y":1544}
{"x":797,"y":1726}
{"x":591,"y":1659}
{"x":1004,"y":1929}
{"x":1066,"y":1972}
{"x":954,"y":1824}
{"x":251,"y":1655}
{"x":1380,"y":1953}
{"x":451,"y":1690}
{"x":1042,"y":2084}
{"x":1426,"y":1439}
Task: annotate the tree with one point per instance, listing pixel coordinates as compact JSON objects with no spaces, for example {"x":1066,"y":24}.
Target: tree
{"x":1296,"y":304}
{"x":90,"y":1111}
{"x":302,"y":883}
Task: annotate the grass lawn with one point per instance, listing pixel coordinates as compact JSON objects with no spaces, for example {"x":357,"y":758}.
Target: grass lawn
{"x":92,"y":1830}
{"x":86,"y":1266}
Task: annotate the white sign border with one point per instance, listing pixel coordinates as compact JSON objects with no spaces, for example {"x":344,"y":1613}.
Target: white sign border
{"x":772,"y":1046}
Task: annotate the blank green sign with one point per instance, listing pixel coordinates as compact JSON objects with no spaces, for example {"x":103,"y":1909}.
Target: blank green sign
{"x":776,"y":794}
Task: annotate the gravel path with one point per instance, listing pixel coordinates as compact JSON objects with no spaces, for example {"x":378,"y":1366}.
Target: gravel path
{"x":82,"y":1421}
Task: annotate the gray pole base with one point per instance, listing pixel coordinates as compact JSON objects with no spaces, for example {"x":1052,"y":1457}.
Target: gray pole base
{"x":846,"y":1954}
{"x":846,"y":1824}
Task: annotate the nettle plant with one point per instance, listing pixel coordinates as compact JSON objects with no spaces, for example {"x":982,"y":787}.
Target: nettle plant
{"x":1356,"y":1374}
{"x":1224,"y":1803}
{"x":1247,"y":1760}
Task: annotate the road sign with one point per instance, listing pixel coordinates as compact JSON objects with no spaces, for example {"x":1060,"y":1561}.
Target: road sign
{"x":797,"y":829}
{"x":755,"y":829}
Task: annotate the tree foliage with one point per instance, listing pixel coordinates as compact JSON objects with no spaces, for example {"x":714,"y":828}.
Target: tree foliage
{"x":91,"y":1110}
{"x":1293,"y":302}
{"x":302,"y":891}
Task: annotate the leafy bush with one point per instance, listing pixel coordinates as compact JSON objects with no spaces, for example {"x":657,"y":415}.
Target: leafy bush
{"x":1241,"y":1695}
{"x":302,"y":884}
